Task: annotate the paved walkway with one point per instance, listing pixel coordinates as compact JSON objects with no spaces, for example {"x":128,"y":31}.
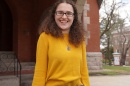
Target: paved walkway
{"x":121,"y":80}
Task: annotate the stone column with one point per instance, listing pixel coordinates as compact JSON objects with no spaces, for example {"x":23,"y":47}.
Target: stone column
{"x":94,"y":58}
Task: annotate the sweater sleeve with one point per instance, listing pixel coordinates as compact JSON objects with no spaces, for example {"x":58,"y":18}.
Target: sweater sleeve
{"x":39,"y":78}
{"x":84,"y":67}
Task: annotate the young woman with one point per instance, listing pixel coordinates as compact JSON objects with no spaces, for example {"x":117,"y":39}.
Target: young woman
{"x":61,"y":51}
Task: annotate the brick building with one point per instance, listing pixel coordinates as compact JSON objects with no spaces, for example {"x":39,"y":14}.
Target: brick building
{"x":19,"y":20}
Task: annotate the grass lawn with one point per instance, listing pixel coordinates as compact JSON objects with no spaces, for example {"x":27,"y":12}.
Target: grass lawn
{"x":112,"y":70}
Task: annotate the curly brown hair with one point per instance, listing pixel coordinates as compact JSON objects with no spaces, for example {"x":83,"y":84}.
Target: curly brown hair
{"x":49,"y":26}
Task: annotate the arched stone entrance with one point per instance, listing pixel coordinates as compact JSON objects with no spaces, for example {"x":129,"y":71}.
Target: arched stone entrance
{"x":25,"y":20}
{"x":6,"y":27}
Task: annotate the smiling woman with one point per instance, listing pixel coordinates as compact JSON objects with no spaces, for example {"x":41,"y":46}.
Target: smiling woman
{"x":61,"y":42}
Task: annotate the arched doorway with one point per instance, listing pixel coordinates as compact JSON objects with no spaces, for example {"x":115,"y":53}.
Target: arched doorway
{"x":6,"y":27}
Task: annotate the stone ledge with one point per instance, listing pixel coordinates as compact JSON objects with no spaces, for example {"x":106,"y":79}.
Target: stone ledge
{"x":9,"y":81}
{"x":94,"y":60}
{"x":94,"y":54}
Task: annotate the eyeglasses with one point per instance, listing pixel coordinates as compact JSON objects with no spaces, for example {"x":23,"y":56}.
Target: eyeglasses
{"x":61,"y":13}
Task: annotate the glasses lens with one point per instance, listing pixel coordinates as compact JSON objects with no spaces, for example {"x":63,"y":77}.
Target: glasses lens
{"x":59,"y":13}
{"x":68,"y":13}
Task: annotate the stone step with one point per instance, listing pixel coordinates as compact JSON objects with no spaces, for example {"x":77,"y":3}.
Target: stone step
{"x":26,"y":83}
{"x":27,"y":73}
{"x":28,"y":65}
{"x":26,"y":76}
{"x":26,"y":79}
{"x":9,"y":81}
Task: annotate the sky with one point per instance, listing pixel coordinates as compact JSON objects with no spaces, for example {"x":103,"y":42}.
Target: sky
{"x":124,"y":11}
{"x":126,"y":8}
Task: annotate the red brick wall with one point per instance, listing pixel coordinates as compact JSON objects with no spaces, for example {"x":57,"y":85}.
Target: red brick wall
{"x":93,"y":27}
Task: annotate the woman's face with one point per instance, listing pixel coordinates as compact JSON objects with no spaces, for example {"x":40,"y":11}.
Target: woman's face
{"x":64,"y":16}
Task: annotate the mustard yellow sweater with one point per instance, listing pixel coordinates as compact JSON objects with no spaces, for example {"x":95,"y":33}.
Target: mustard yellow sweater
{"x":57,"y":66}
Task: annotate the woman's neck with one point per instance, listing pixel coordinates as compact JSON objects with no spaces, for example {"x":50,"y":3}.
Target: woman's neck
{"x":65,"y":31}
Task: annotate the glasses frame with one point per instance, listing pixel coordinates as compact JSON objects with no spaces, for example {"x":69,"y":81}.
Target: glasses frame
{"x":67,"y":13}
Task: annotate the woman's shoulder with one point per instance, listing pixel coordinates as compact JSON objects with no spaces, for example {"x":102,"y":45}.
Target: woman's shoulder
{"x":43,"y":34}
{"x":46,"y":36}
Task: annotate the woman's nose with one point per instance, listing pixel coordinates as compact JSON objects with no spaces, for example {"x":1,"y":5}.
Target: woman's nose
{"x":64,"y":16}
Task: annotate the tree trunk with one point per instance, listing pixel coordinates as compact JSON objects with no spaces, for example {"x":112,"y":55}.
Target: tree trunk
{"x":122,"y":60}
{"x":109,"y":51}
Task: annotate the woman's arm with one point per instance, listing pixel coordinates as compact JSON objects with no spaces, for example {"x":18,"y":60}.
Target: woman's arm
{"x":84,"y":67}
{"x":39,"y":78}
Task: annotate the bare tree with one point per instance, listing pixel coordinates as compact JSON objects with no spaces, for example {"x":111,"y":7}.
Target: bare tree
{"x":110,"y":22}
{"x":123,"y":43}
{"x":123,"y":39}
